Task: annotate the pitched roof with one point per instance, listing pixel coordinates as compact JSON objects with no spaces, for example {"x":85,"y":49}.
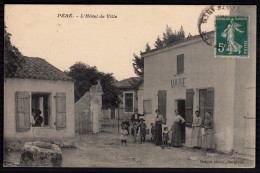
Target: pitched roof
{"x":178,"y":42}
{"x":37,"y":68}
{"x":129,"y":83}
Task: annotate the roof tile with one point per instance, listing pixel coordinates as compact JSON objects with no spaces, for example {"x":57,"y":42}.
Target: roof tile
{"x":37,"y":68}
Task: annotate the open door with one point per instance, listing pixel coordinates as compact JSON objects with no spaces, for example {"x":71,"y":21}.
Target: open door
{"x":181,"y":109}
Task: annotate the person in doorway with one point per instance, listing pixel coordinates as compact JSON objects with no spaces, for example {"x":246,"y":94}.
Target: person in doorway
{"x":158,"y":128}
{"x":196,"y":131}
{"x":142,"y":130}
{"x":123,"y":134}
{"x":208,"y":137}
{"x":165,"y":136}
{"x":152,"y":132}
{"x":176,"y":130}
{"x":37,"y":119}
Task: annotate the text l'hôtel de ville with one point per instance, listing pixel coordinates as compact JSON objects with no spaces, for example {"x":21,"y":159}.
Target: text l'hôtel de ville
{"x":87,"y":15}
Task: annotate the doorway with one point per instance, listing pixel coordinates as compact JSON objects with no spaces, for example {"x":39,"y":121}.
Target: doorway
{"x":181,"y":109}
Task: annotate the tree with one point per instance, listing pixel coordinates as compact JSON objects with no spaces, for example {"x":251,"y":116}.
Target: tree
{"x":85,"y":76}
{"x":138,"y":64}
{"x":189,"y":35}
{"x":170,"y":37}
{"x":147,"y":47}
{"x":181,"y":34}
{"x":13,"y":58}
{"x":158,"y":43}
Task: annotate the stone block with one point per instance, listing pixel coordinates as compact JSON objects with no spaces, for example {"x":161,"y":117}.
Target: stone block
{"x":43,"y":154}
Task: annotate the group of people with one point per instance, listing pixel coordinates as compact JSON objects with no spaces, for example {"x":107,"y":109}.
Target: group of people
{"x":161,"y":137}
{"x":137,"y":125}
{"x":207,"y":139}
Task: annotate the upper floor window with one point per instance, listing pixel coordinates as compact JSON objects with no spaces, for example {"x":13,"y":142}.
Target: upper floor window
{"x":180,"y":64}
{"x":129,"y":102}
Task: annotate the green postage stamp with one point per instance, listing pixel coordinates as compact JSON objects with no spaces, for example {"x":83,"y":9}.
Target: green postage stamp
{"x":232,"y":36}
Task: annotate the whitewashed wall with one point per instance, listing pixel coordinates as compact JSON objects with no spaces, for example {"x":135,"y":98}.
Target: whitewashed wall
{"x":11,"y":85}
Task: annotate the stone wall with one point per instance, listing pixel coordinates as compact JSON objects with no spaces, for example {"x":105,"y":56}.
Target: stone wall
{"x":88,"y":111}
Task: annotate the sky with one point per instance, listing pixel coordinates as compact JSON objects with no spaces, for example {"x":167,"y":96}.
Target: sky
{"x":107,"y":43}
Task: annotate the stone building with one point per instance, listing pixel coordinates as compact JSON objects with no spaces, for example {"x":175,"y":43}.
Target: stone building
{"x":38,"y":85}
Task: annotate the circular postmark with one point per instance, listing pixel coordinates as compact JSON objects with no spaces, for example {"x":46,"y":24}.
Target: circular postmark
{"x":206,"y":22}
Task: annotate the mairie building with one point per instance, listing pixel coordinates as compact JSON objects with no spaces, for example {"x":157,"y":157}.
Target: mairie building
{"x":187,"y":76}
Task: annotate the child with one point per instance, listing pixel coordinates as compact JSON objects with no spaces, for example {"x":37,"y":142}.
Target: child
{"x":123,"y":134}
{"x":142,"y":130}
{"x":152,"y":132}
{"x":165,"y":136}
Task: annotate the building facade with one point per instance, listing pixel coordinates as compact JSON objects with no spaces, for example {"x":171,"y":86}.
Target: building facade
{"x":38,"y":86}
{"x":187,"y":77}
{"x":131,"y":96}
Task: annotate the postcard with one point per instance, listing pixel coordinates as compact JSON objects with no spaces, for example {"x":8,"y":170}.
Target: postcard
{"x":130,"y":86}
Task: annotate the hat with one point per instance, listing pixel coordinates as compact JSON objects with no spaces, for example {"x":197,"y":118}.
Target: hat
{"x":141,"y":119}
{"x":157,"y":110}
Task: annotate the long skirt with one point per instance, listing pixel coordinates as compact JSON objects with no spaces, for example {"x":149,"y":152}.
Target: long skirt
{"x":176,"y":135}
{"x":196,"y":137}
{"x":158,"y":134}
{"x":208,"y":139}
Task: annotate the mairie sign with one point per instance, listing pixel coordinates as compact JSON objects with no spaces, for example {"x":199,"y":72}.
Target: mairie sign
{"x":177,"y":82}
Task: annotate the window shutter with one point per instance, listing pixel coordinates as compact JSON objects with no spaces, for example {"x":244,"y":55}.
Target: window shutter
{"x":60,"y":110}
{"x":209,"y":104}
{"x":180,"y":64}
{"x":22,"y":101}
{"x":189,"y":107}
{"x":162,"y":103}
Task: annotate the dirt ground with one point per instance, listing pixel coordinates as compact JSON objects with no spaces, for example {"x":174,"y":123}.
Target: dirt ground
{"x":105,"y":150}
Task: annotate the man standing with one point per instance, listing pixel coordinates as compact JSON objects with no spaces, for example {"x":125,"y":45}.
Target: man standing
{"x":135,"y":123}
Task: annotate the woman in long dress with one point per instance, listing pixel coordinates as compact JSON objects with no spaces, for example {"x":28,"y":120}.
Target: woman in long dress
{"x":229,"y":32}
{"x":176,"y":130}
{"x":196,"y":140}
{"x":208,"y":137}
{"x":158,"y":128}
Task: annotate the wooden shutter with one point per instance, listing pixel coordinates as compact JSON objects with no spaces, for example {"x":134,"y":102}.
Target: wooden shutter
{"x":189,"y":107}
{"x":60,"y":110}
{"x":22,"y":101}
{"x":209,"y":103}
{"x":180,"y":64}
{"x":162,"y":103}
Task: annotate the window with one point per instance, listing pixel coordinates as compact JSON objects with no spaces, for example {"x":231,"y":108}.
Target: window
{"x":129,"y":102}
{"x":41,"y":107}
{"x":147,"y":106}
{"x":180,"y":64}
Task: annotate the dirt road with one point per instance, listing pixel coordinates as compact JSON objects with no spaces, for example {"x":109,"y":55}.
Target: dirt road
{"x":105,"y":150}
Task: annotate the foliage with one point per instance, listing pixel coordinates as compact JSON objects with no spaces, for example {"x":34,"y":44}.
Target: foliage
{"x":85,"y":76}
{"x":158,"y":43}
{"x":147,"y":47}
{"x":13,"y":58}
{"x":169,"y":38}
{"x":138,"y":64}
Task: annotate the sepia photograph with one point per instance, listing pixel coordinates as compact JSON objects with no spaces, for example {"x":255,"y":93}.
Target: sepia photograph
{"x":129,"y":86}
